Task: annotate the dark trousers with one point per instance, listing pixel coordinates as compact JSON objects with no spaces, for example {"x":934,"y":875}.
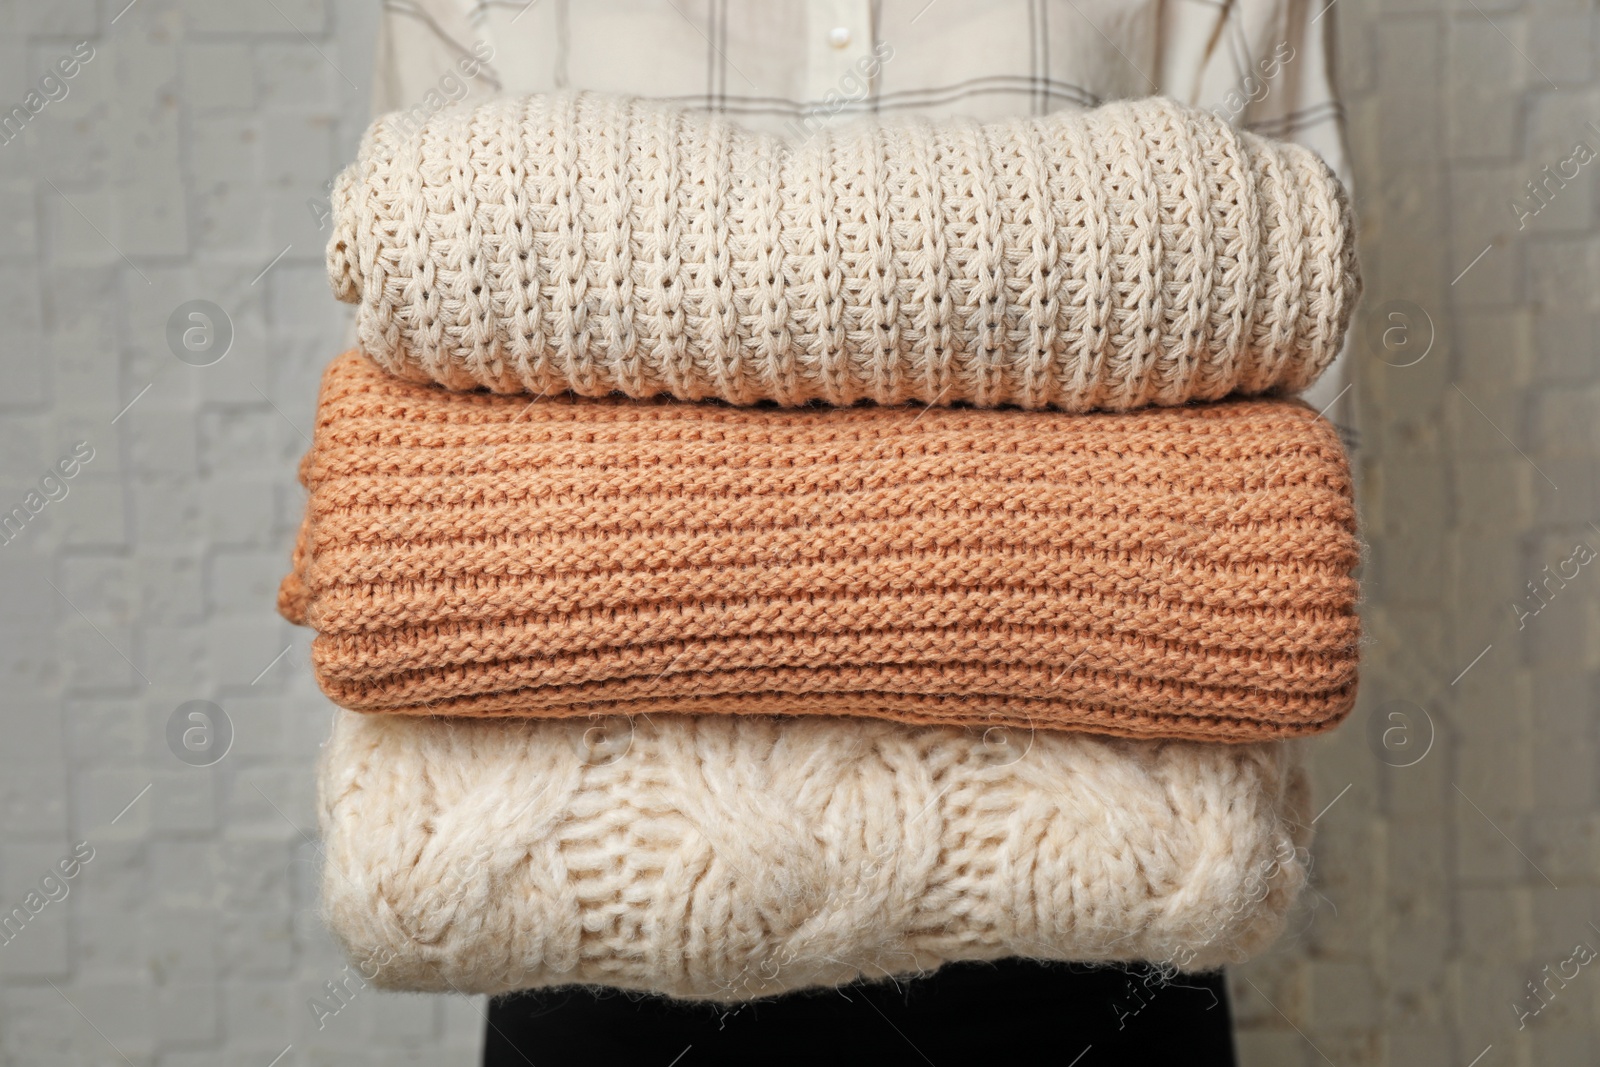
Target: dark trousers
{"x":1011,"y":1012}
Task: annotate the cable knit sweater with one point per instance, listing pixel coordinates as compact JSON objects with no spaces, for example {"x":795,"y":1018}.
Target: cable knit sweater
{"x":725,"y":859}
{"x":1139,"y":253}
{"x":1171,"y":572}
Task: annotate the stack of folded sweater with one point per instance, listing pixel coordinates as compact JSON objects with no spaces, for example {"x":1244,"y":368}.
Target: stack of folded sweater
{"x":750,"y":566}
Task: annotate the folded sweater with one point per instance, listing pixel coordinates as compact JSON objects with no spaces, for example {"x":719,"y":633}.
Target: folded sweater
{"x":1140,"y":253}
{"x":731,"y":858}
{"x":1171,"y":572}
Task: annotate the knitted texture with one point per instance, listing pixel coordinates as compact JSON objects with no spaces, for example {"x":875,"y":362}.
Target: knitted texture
{"x":725,"y":859}
{"x":1171,"y":572}
{"x":1139,"y":253}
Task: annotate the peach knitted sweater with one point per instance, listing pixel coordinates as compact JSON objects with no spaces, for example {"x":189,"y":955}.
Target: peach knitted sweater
{"x":1173,"y":572}
{"x":1139,"y":253}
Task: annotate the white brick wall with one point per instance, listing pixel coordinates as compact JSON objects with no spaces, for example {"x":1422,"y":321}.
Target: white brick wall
{"x":1437,"y":877}
{"x":178,"y":167}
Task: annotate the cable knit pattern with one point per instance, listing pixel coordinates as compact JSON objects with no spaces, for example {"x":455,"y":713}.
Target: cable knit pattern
{"x":726,"y":859}
{"x":1171,"y":572}
{"x":1140,"y":253}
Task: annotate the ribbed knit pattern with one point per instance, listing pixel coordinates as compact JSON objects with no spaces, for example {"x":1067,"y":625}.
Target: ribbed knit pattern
{"x":726,"y":859}
{"x":1140,"y":253}
{"x":1172,"y":572}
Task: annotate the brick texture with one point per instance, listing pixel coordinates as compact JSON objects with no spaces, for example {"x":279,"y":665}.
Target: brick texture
{"x":177,"y":167}
{"x":1450,"y":877}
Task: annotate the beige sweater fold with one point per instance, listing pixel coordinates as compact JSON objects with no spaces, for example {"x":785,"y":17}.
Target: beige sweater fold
{"x":718,"y":858}
{"x":1139,"y":253}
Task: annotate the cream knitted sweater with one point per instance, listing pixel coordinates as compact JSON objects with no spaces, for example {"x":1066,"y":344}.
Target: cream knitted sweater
{"x":1140,"y":253}
{"x":726,"y":858}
